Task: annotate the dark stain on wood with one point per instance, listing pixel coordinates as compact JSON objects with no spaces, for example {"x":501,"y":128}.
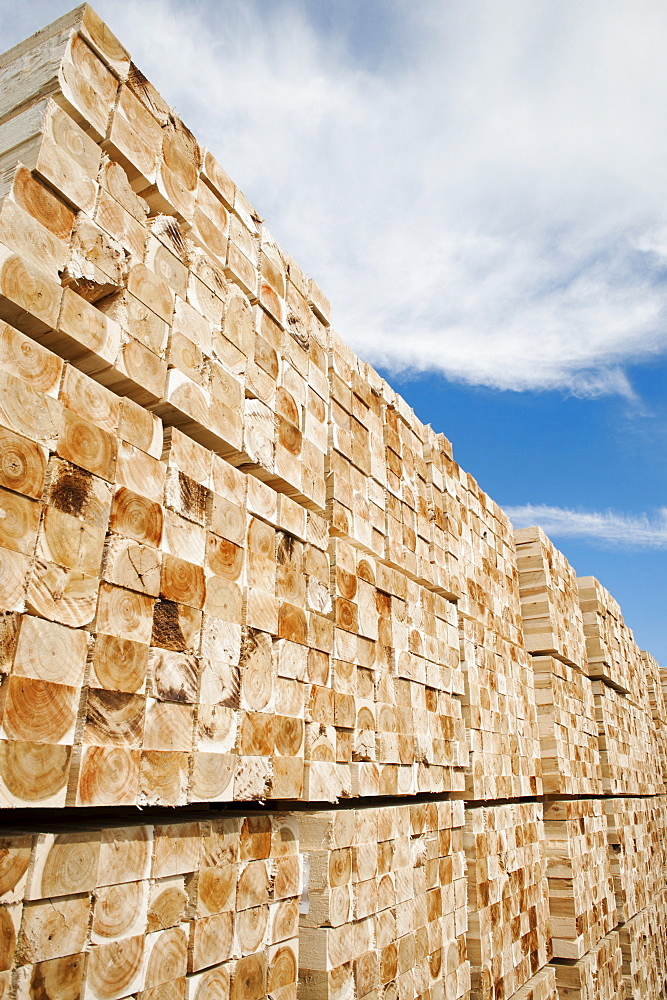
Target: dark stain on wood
{"x":194,"y":497}
{"x":115,"y":718}
{"x":167,"y":632}
{"x":70,"y":490}
{"x":9,"y":631}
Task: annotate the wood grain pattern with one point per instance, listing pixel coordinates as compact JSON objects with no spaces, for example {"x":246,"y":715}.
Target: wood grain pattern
{"x":236,"y":565}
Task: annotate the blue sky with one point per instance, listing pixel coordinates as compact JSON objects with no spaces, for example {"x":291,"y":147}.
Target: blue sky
{"x":481,"y":189}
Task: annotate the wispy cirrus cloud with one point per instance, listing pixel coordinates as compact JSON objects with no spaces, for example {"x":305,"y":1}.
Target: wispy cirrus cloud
{"x":481,"y":189}
{"x":605,"y":527}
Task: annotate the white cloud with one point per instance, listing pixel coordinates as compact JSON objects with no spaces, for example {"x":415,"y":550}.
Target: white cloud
{"x":480,"y":187}
{"x":643,"y":532}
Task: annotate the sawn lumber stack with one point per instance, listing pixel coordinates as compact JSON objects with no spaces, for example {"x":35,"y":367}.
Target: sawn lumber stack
{"x":386,"y":747}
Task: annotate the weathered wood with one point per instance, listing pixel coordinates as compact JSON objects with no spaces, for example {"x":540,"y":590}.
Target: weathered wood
{"x":52,"y":978}
{"x":67,"y":542}
{"x":128,"y":563}
{"x":53,"y":928}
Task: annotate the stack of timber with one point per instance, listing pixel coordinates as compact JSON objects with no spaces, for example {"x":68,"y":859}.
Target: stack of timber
{"x":508,"y":936}
{"x":554,"y":634}
{"x":596,"y":976}
{"x":612,"y":655}
{"x":552,"y":620}
{"x":235,"y":565}
{"x":356,"y":473}
{"x":408,"y":525}
{"x":392,"y":722}
{"x":170,"y":909}
{"x":204,"y":664}
{"x":660,"y":902}
{"x":657,"y":698}
{"x":659,"y":803}
{"x":600,"y":715}
{"x":163,"y":627}
{"x":499,"y":706}
{"x":642,"y":944}
{"x":501,"y":716}
{"x":637,"y":844}
{"x":542,"y":986}
{"x":383,"y":912}
{"x":568,"y":729}
{"x":191,"y":310}
{"x":635,"y":834}
{"x":380,"y":480}
{"x":581,"y":891}
{"x":490,"y":577}
{"x":443,"y":496}
{"x":628,"y":748}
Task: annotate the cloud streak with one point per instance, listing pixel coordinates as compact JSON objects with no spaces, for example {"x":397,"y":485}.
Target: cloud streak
{"x":480,"y":189}
{"x":607,"y":527}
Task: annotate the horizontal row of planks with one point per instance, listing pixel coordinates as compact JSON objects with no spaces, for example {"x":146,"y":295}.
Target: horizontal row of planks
{"x":428,"y":899}
{"x":387,"y":747}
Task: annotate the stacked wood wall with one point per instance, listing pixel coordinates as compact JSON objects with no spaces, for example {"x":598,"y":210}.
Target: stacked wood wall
{"x":601,"y":708}
{"x":239,"y":575}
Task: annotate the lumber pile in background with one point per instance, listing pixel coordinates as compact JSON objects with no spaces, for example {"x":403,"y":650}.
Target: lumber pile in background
{"x":508,"y":936}
{"x":238,"y":575}
{"x":552,"y":618}
{"x":642,"y":945}
{"x":553,"y":624}
{"x":571,"y":762}
{"x":657,"y":696}
{"x":501,"y":716}
{"x":628,"y":749}
{"x":601,"y":710}
{"x":611,"y":652}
